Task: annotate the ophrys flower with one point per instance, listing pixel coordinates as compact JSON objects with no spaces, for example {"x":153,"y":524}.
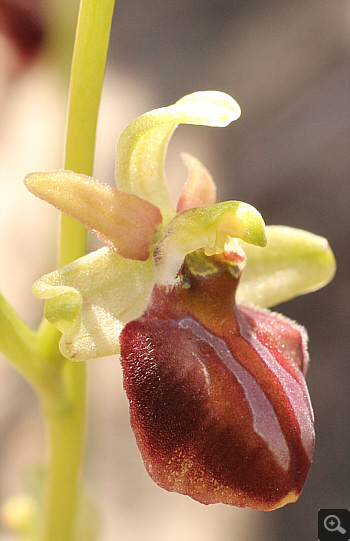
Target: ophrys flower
{"x":218,"y":400}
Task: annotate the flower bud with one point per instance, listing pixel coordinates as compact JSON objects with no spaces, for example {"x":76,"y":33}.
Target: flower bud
{"x":218,"y":400}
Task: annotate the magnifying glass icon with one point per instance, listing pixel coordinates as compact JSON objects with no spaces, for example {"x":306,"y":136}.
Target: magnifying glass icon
{"x":332,"y":524}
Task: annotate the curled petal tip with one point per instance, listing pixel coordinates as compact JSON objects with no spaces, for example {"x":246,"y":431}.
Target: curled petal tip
{"x":221,"y":109}
{"x":142,"y":146}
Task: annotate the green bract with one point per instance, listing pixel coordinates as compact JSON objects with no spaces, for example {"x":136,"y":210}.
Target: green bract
{"x":91,"y":299}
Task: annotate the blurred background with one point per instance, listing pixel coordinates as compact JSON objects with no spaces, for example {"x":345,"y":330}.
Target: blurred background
{"x":287,"y":65}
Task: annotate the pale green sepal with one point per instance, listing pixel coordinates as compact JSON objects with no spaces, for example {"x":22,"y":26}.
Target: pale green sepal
{"x":91,"y":299}
{"x":293,"y":263}
{"x":206,"y":227}
{"x":142,"y":146}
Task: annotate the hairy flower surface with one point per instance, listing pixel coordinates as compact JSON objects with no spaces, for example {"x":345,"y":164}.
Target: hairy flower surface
{"x":218,"y":400}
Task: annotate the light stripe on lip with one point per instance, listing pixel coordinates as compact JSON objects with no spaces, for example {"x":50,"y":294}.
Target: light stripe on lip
{"x":295,"y":390}
{"x":265,"y":420}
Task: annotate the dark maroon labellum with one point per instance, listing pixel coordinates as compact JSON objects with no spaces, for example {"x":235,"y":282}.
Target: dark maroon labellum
{"x":218,"y":400}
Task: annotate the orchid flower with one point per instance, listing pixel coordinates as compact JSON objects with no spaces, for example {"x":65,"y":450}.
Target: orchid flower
{"x":218,"y":400}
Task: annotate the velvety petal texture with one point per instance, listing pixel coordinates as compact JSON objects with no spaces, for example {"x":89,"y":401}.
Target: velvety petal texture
{"x":218,"y":402}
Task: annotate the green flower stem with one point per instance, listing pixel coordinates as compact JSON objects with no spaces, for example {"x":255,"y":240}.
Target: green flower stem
{"x":20,"y":345}
{"x":73,"y":236}
{"x":89,"y":58}
{"x":66,"y":432}
{"x":67,"y":428}
{"x":60,"y":383}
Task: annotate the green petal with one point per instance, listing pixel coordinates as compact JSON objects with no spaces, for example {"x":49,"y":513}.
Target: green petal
{"x":206,"y":227}
{"x":142,"y":146}
{"x":126,"y":223}
{"x":293,"y":263}
{"x":91,"y":299}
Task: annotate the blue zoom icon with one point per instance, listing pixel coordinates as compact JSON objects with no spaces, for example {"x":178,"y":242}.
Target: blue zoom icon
{"x":334,"y":525}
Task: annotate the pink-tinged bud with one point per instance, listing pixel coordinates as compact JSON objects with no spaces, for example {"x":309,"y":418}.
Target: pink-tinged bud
{"x":218,"y":400}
